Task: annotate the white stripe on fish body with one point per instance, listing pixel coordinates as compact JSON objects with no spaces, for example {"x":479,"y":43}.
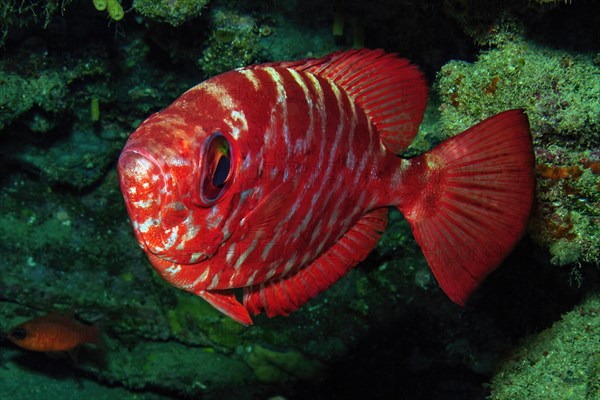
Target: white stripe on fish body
{"x":361,"y":169}
{"x":215,"y":281}
{"x":281,"y":111}
{"x":172,"y":237}
{"x":230,"y":253}
{"x":237,"y":123}
{"x":212,"y":224}
{"x":373,"y":201}
{"x":247,"y":252}
{"x":316,"y":232}
{"x":145,"y":203}
{"x":332,"y":153}
{"x":173,"y":269}
{"x":316,"y":85}
{"x":232,"y":216}
{"x":250,"y":280}
{"x":307,"y":97}
{"x":305,"y":221}
{"x":276,"y":237}
{"x":289,"y":265}
{"x":195,"y":257}
{"x":272,"y":269}
{"x":273,"y":173}
{"x":251,"y":77}
{"x":203,"y":276}
{"x":219,"y":93}
{"x":307,"y":257}
{"x":192,"y":229}
{"x":286,"y":173}
{"x":350,"y":158}
{"x":247,"y":162}
{"x":320,"y":107}
{"x":270,"y":135}
{"x":147,"y":224}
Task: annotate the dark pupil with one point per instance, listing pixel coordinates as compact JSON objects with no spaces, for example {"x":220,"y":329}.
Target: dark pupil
{"x":221,"y":172}
{"x":18,"y":333}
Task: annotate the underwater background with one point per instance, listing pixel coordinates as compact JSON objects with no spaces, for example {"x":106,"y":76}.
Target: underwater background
{"x":78,"y":76}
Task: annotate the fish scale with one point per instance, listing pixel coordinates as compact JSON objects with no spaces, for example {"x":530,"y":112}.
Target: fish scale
{"x":277,"y":178}
{"x":290,"y":91}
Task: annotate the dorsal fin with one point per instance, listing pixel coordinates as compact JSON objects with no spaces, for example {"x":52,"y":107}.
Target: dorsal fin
{"x":392,"y":91}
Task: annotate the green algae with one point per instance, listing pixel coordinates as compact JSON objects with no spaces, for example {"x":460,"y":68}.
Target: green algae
{"x":560,"y":363}
{"x":272,"y":366}
{"x":233,"y":42}
{"x":195,"y":321}
{"x":172,"y":12}
{"x":558,"y":90}
{"x":171,"y":364}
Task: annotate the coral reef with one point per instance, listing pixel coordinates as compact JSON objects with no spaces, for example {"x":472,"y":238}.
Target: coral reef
{"x":40,"y":86}
{"x":556,"y":88}
{"x":233,"y":42}
{"x":174,"y":12}
{"x":560,"y":363}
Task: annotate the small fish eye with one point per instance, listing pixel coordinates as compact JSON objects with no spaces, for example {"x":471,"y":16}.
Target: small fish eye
{"x":18,"y":334}
{"x":216,"y":168}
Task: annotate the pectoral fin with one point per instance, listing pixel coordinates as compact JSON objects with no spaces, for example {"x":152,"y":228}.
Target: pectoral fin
{"x":225,"y":301}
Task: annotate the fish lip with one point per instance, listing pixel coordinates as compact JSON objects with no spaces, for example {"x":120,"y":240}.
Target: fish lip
{"x":133,"y":211}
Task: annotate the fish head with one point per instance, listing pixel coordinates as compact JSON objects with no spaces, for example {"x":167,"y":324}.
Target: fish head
{"x":18,"y":334}
{"x":28,"y":335}
{"x":179,"y":175}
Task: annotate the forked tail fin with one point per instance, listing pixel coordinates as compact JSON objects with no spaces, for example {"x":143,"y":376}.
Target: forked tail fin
{"x":469,"y":199}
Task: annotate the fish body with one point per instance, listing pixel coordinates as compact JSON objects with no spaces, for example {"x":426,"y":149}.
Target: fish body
{"x":53,"y":333}
{"x":277,"y":179}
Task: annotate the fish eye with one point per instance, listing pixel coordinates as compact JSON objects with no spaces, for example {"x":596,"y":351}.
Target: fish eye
{"x":18,"y":334}
{"x":216,"y":168}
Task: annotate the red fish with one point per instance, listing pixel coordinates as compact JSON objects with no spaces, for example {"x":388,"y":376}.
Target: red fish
{"x":53,"y":333}
{"x":277,"y":178}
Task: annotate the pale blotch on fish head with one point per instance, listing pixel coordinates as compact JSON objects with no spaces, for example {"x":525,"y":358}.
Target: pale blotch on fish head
{"x":177,"y":174}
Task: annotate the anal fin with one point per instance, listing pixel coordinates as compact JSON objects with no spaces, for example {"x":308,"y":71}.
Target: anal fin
{"x":285,"y":295}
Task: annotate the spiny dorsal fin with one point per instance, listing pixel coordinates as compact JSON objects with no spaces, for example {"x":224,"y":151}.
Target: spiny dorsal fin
{"x":392,"y":91}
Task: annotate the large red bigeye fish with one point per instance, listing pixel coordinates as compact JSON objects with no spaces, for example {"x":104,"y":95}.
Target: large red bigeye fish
{"x":276,"y":179}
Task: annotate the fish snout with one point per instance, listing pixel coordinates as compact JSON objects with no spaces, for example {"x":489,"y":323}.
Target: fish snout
{"x":143,"y":185}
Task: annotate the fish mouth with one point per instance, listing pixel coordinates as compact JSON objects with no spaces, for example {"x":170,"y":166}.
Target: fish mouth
{"x":142,"y":185}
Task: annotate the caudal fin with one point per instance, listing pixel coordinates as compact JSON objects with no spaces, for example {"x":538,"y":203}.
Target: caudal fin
{"x":469,"y":200}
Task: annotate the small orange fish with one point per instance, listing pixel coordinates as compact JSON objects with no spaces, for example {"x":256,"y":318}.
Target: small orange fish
{"x":53,"y":333}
